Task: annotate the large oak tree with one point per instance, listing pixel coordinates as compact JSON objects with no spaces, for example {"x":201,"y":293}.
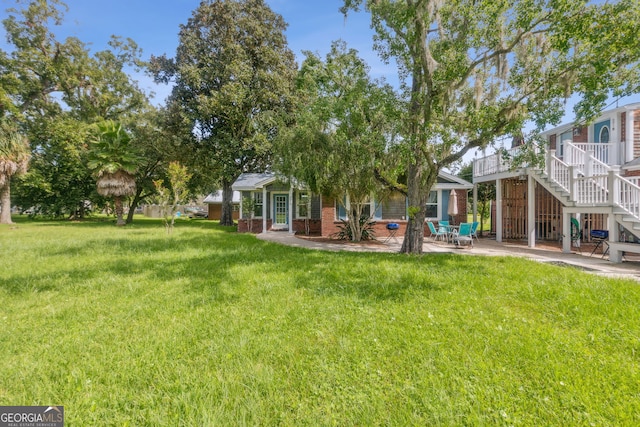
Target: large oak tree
{"x":474,"y":70}
{"x":55,"y":89}
{"x":233,"y":75}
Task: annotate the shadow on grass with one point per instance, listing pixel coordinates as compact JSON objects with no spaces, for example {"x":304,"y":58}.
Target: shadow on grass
{"x":207,"y":259}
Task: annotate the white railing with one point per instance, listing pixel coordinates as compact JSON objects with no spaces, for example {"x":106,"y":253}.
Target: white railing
{"x":559,"y":172}
{"x":494,"y":163}
{"x":573,"y":155}
{"x":591,"y":190}
{"x":635,"y":180}
{"x":587,"y":162}
{"x":583,"y":173}
{"x":627,"y":196}
{"x":608,"y":154}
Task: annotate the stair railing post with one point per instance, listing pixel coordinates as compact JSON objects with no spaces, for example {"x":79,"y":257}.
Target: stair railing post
{"x":550,"y":155}
{"x":588,"y":163}
{"x":572,"y":183}
{"x":613,"y":188}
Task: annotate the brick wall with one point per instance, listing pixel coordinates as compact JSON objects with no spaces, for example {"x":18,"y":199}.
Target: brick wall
{"x":582,"y":135}
{"x":330,"y":226}
{"x":328,"y":217}
{"x":631,"y":173}
{"x":298,"y":226}
{"x":314,"y":226}
{"x":243,"y":225}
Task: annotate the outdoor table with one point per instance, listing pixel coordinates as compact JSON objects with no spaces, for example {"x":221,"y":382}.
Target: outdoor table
{"x":452,"y":230}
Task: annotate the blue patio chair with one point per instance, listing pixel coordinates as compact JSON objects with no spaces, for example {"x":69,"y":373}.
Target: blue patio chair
{"x":474,"y":229}
{"x":437,"y":233}
{"x":463,"y":234}
{"x":443,"y":226}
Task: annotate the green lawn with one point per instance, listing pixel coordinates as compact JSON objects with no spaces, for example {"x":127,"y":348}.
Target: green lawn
{"x":129,"y":326}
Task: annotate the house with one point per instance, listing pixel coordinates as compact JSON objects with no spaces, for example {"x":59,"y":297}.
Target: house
{"x":278,"y":205}
{"x":214,"y":202}
{"x":590,"y":176}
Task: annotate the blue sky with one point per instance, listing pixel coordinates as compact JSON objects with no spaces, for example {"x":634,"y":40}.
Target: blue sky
{"x":154,"y":26}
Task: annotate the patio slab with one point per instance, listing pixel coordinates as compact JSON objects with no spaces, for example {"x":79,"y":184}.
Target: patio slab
{"x":544,"y":252}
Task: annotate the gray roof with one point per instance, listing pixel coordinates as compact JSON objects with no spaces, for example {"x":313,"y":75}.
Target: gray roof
{"x":256,"y":181}
{"x":253,"y":181}
{"x":633,"y":164}
{"x":216,"y":197}
{"x":453,"y":181}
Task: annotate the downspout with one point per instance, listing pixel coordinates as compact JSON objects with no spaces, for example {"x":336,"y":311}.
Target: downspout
{"x":291,"y":209}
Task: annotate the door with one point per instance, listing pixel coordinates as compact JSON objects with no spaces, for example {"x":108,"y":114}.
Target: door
{"x":280,"y":210}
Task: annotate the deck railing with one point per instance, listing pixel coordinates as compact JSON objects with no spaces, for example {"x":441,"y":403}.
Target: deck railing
{"x":494,"y":163}
{"x":626,"y":195}
{"x":608,"y":153}
{"x":591,"y":190}
{"x":559,"y":172}
{"x":584,"y":173}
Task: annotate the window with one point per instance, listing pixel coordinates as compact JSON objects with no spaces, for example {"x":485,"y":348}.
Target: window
{"x":257,"y":204}
{"x":432,"y":205}
{"x":303,"y":204}
{"x":366,"y":208}
{"x":604,"y":135}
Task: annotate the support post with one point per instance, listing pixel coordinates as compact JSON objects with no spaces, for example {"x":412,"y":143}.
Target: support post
{"x":475,"y":202}
{"x":498,"y":210}
{"x":566,"y":232}
{"x":291,"y":231}
{"x":264,"y":209}
{"x":548,"y":161}
{"x":615,"y":255}
{"x":531,"y":211}
{"x":572,"y":183}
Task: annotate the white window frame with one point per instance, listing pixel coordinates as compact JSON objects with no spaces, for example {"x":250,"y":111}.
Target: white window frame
{"x":258,"y":195}
{"x":608,"y":134}
{"x":438,"y":205}
{"x":371,"y":203}
{"x":299,"y":195}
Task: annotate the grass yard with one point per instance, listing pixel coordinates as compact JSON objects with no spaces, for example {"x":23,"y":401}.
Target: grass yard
{"x":131,"y":327}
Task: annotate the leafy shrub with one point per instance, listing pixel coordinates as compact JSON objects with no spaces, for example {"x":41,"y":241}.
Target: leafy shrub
{"x":366,"y":225}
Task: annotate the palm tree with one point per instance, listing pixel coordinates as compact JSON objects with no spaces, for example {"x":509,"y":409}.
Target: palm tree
{"x":114,"y":161}
{"x":14,"y":160}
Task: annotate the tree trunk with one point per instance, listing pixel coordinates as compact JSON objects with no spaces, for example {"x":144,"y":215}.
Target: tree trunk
{"x":420,"y":182}
{"x":227,"y":206}
{"x":119,"y":211}
{"x":354,"y":215}
{"x":134,"y":205}
{"x":5,"y":204}
{"x":421,"y":172}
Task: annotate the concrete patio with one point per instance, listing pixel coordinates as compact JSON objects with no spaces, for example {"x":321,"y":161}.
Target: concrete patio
{"x":544,"y":252}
